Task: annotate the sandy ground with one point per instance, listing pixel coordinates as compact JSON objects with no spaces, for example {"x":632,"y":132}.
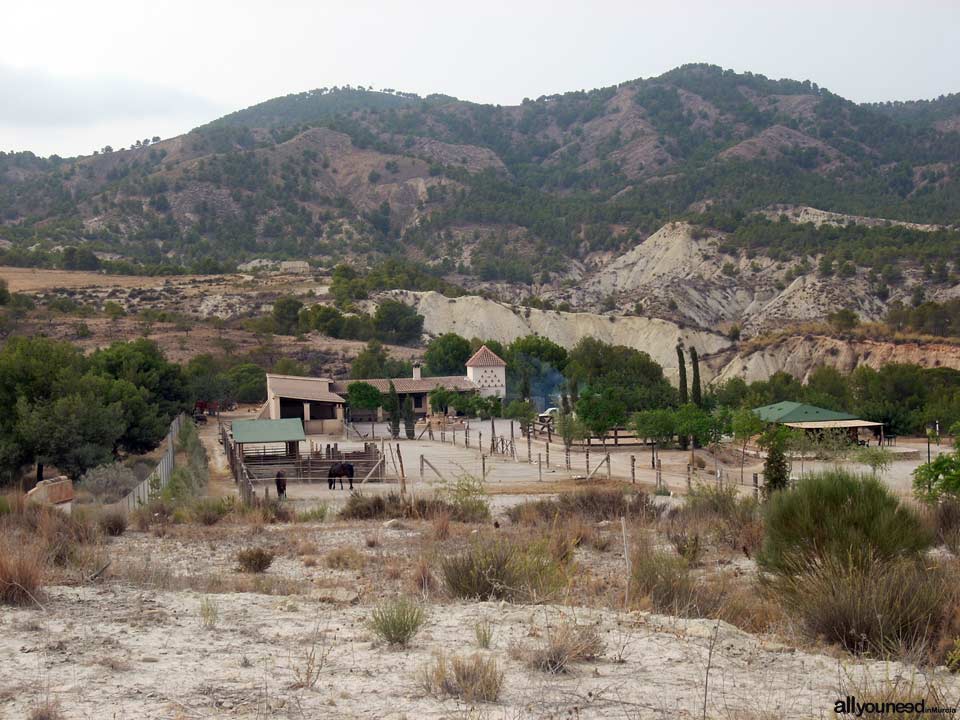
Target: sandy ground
{"x":132,"y":644}
{"x":121,"y":650}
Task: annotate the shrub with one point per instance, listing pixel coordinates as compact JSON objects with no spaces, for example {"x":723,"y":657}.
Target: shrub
{"x":866,"y":603}
{"x":483,"y":631}
{"x":841,"y":516}
{"x":496,"y":568}
{"x":344,"y":558}
{"x":22,"y":572}
{"x":397,"y":621}
{"x":209,"y":613}
{"x":441,"y":525}
{"x":467,"y":499}
{"x":473,"y":679}
{"x":254,"y":560}
{"x":113,"y":522}
{"x":946,"y":519}
{"x":318,"y":513}
{"x":664,"y":579}
{"x":594,"y":504}
{"x":566,"y":644}
{"x":730,"y":519}
{"x":109,"y":483}
{"x":391,"y":505}
{"x":209,"y":511}
{"x":157,"y":511}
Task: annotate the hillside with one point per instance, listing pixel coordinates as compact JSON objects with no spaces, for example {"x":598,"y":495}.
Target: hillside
{"x":567,"y":197}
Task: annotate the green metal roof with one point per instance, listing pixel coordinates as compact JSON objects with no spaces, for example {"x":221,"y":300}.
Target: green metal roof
{"x":789,"y":412}
{"x":268,"y":431}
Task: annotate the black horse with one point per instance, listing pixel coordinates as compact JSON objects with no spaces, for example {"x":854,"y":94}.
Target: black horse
{"x":340,"y":470}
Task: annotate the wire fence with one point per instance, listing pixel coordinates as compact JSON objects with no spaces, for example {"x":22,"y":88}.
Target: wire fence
{"x":157,"y":480}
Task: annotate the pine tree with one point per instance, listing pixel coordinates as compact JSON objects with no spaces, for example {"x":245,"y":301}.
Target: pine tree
{"x":696,"y":394}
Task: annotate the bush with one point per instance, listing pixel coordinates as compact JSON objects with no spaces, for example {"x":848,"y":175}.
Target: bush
{"x":841,"y":516}
{"x":210,"y":511}
{"x":732,"y":520}
{"x":473,"y":679}
{"x":566,"y":644}
{"x":157,"y":511}
{"x":113,"y":522}
{"x":664,"y":580}
{"x":254,"y":560}
{"x":109,"y":483}
{"x":318,"y":513}
{"x":595,"y":504}
{"x":397,"y":621}
{"x":496,"y":568}
{"x":22,"y":572}
{"x":390,"y":506}
{"x":344,"y":558}
{"x":867,"y":603}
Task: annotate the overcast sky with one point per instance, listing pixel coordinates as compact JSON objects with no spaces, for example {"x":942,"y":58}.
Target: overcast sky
{"x":76,"y":76}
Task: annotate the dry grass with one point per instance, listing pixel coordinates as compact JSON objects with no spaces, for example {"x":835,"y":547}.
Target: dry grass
{"x":254,"y":560}
{"x":47,"y":710}
{"x":372,"y":540}
{"x":148,"y":574}
{"x":483,"y":632}
{"x":424,"y":581}
{"x":516,"y":569}
{"x":308,"y":666}
{"x":567,"y":643}
{"x":209,"y":613}
{"x":23,"y":571}
{"x":441,"y":525}
{"x":345,"y":558}
{"x":112,"y":522}
{"x":473,"y":679}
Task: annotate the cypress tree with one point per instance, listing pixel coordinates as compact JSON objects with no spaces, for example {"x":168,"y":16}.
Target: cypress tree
{"x":696,"y":394}
{"x":682,"y":368}
{"x":392,"y":407}
{"x":409,"y":419}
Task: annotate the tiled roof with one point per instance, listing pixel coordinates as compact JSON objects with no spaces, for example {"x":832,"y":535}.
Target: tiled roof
{"x":410,"y":385}
{"x":485,"y":357}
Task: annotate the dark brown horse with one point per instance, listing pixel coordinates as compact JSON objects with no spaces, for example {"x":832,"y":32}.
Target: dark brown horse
{"x":340,"y":470}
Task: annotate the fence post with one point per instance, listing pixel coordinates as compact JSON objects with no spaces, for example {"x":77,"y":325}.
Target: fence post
{"x":689,"y":476}
{"x":539,"y":468}
{"x":633,"y":469}
{"x":609,"y":471}
{"x":483,"y":466}
{"x":588,"y":459}
{"x":659,"y":474}
{"x":566,"y":456}
{"x":421,"y":467}
{"x":529,"y":449}
{"x":756,"y":486}
{"x":548,"y":455}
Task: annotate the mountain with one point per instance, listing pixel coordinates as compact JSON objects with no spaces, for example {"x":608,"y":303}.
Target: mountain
{"x":528,"y":199}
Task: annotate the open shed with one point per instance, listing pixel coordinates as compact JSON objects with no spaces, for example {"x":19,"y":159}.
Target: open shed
{"x":268,"y":438}
{"x":811,"y":418}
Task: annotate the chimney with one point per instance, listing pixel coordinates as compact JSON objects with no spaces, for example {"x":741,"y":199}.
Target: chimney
{"x":416,"y":371}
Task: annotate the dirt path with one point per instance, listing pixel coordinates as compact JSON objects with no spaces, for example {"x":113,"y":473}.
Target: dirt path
{"x":221,"y":481}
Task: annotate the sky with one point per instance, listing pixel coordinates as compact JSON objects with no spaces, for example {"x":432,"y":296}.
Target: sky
{"x":77,"y":76}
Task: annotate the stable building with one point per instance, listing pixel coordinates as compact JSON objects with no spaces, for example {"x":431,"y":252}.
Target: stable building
{"x":811,"y":418}
{"x":320,"y":402}
{"x":311,"y":400}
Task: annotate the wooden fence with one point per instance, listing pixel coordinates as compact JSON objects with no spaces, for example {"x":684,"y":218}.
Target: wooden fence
{"x":154,"y":483}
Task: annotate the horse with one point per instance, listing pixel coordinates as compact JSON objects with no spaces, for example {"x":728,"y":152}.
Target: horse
{"x":281,"y":483}
{"x":340,"y":470}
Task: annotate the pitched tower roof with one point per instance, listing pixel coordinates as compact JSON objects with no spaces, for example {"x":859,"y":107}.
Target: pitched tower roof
{"x":485,"y":357}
